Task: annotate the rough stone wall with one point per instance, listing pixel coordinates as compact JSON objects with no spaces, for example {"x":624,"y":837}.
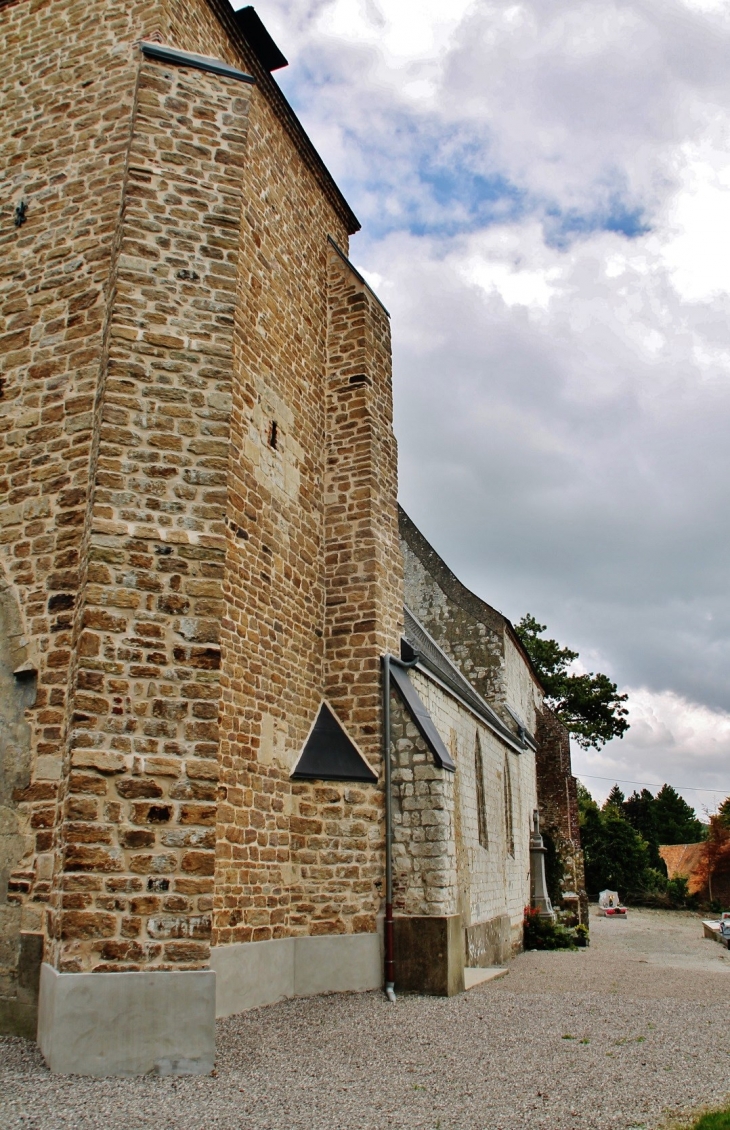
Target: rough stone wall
{"x":440,"y":865}
{"x":558,"y":800}
{"x":482,"y":644}
{"x":165,"y":304}
{"x":138,"y":838}
{"x":521,"y":690}
{"x":312,"y":575}
{"x":66,"y":94}
{"x":17,"y":696}
{"x":424,"y":823}
{"x":473,"y":642}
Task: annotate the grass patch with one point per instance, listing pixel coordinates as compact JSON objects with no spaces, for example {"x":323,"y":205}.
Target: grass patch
{"x":716,"y":1120}
{"x":710,"y":1120}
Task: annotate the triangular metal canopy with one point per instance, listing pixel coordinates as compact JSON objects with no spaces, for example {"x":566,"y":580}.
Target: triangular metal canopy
{"x":329,"y":753}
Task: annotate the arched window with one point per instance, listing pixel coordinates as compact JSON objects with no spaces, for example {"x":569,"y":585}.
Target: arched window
{"x":481,"y":798}
{"x":508,"y":823}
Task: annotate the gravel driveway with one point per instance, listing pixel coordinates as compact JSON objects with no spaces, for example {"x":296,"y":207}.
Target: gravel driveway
{"x":620,"y":1035}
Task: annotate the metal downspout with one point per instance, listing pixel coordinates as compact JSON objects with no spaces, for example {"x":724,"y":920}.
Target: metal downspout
{"x":389,"y":964}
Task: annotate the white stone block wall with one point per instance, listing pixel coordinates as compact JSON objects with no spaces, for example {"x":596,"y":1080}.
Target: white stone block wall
{"x":521,"y":693}
{"x":440,"y":867}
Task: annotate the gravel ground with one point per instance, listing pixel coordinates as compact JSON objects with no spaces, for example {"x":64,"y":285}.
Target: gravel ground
{"x":621,"y":1035}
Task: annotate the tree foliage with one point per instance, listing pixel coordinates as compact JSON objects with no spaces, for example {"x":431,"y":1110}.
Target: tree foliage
{"x":588,"y":705}
{"x":640,"y":811}
{"x":715,"y":858}
{"x":615,"y":854}
{"x":621,"y":842}
{"x":676,"y":821}
{"x":723,"y":812}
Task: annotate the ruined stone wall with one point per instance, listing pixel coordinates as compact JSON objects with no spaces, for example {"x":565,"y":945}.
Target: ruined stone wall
{"x":477,"y":638}
{"x":558,"y":800}
{"x":441,"y":867}
{"x":471,"y":636}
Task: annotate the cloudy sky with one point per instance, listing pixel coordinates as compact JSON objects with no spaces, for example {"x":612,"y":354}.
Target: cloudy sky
{"x":544,"y":189}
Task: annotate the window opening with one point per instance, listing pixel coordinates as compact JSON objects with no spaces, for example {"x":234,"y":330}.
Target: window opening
{"x":274,"y":435}
{"x":481,"y":798}
{"x":508,"y":824}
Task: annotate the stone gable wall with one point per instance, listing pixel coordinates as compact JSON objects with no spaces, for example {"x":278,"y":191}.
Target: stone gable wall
{"x":475,"y":645}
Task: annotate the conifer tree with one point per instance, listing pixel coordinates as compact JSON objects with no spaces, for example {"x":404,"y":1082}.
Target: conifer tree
{"x":676,"y":821}
{"x":589,"y":706}
{"x":615,"y":797}
{"x":640,"y":811}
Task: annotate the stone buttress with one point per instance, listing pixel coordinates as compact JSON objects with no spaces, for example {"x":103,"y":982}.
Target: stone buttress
{"x":199,"y":546}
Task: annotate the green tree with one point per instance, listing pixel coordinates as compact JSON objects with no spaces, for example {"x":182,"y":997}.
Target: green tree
{"x":723,"y":812}
{"x":589,"y":706}
{"x":676,"y":821}
{"x":640,"y":811}
{"x":626,"y":853}
{"x":616,"y":855}
{"x":615,"y":797}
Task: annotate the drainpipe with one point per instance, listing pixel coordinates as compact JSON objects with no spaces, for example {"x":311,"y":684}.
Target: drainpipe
{"x":387,"y":660}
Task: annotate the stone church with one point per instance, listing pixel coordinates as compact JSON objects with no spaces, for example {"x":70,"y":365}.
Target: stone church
{"x":256,"y":740}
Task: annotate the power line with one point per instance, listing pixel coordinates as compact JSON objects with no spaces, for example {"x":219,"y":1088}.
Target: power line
{"x":652,"y":784}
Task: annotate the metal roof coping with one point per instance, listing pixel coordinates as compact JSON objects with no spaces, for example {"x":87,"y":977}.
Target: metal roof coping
{"x":197,"y":62}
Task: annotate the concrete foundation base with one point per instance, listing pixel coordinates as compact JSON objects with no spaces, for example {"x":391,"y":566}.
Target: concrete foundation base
{"x":429,"y":955}
{"x":252,"y":974}
{"x":150,"y":1023}
{"x":489,"y":943}
{"x":474,"y":977}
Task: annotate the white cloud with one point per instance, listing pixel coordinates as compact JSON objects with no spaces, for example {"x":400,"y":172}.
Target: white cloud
{"x":672,"y":740}
{"x":562,"y":400}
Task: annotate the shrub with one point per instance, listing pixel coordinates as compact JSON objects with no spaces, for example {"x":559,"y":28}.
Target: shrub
{"x":582,"y":937}
{"x":677,"y":892}
{"x":545,"y":934}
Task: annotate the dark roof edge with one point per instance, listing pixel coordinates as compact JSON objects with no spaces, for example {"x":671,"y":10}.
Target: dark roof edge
{"x":422,"y":719}
{"x":454,"y":588}
{"x":225,"y":14}
{"x":357,"y":274}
